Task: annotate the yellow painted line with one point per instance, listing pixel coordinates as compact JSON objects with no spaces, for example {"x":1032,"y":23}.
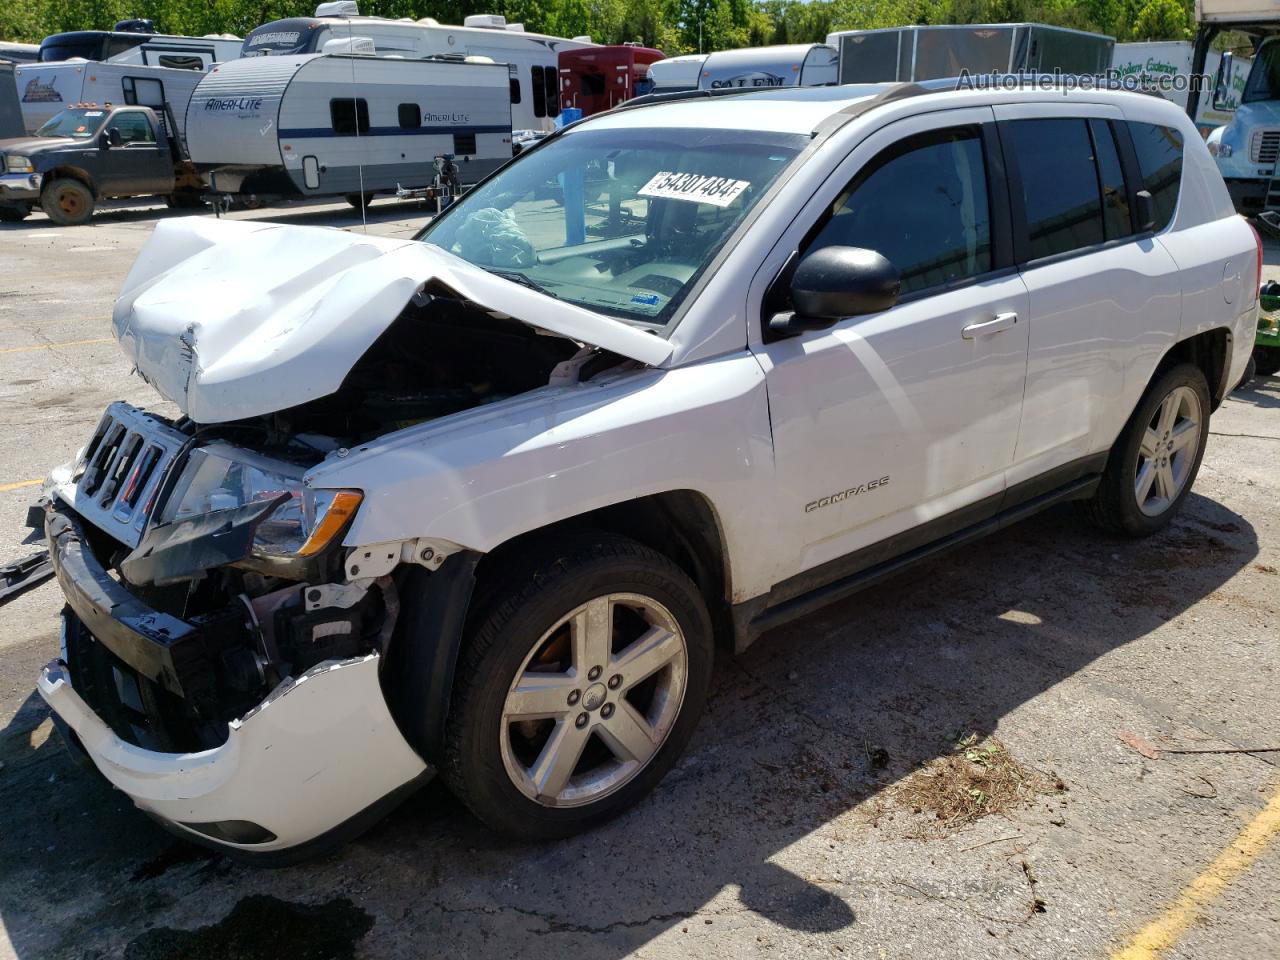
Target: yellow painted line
{"x":4,"y":487}
{"x":54,"y":346}
{"x":1161,"y":934}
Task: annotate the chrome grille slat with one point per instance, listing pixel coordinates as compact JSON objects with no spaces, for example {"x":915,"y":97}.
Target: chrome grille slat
{"x":121,"y":470}
{"x":1264,"y":145}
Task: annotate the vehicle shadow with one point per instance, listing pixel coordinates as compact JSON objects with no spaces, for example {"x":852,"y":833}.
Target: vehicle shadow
{"x":1261,"y":391}
{"x":301,"y":214}
{"x":803,"y":737}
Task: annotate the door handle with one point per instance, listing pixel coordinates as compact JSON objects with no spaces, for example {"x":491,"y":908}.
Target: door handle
{"x":1001,"y":321}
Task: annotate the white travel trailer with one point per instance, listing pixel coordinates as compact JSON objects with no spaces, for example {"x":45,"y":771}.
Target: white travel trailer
{"x":532,"y":58}
{"x":785,"y":65}
{"x":325,"y":124}
{"x":140,"y":44}
{"x":675,"y":74}
{"x":945,"y":50}
{"x":45,"y":89}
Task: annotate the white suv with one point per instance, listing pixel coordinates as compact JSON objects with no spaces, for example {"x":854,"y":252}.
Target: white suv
{"x":484,"y":502}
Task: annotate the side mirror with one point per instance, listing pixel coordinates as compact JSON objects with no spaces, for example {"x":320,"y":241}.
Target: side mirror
{"x":110,"y":138}
{"x":837,"y":282}
{"x":1222,"y":82}
{"x":1145,"y":208}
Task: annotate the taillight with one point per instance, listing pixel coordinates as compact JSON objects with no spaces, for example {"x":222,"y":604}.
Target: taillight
{"x":1257,"y":239}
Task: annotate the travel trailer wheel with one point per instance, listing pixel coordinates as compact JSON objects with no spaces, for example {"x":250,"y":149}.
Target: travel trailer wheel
{"x":359,"y":201}
{"x":67,"y":202}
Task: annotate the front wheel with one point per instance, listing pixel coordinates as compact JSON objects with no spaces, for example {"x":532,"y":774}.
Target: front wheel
{"x":579,"y":689}
{"x":1155,"y":460}
{"x":67,"y":202}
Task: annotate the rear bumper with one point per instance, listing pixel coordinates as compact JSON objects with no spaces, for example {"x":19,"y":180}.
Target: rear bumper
{"x":20,"y":187}
{"x":318,"y":760}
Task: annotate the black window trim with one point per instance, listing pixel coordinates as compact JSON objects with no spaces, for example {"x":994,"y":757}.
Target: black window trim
{"x":1132,"y":179}
{"x":1000,"y":212}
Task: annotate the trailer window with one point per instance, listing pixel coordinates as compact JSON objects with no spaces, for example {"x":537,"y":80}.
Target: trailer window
{"x":182,"y":61}
{"x":142,"y":92}
{"x":410,"y":116}
{"x":551,"y":81}
{"x":349,"y":117}
{"x":464,"y":144}
{"x":515,"y":90}
{"x":539,"y":92}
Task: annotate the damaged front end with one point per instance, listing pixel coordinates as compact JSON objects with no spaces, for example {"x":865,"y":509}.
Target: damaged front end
{"x":226,"y":676}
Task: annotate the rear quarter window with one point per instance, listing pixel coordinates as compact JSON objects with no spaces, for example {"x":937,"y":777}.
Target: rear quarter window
{"x":1159,"y":151}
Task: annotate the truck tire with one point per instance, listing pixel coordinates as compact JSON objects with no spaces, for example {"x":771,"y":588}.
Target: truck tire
{"x":1155,"y":460}
{"x":578,"y":687}
{"x":1267,"y":360}
{"x":67,"y":202}
{"x":15,"y":213}
{"x":185,"y":200}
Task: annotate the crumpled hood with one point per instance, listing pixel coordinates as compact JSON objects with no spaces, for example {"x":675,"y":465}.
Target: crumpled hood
{"x":230,"y":319}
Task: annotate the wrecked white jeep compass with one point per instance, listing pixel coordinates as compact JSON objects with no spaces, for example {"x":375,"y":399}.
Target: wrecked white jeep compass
{"x":480,"y":503}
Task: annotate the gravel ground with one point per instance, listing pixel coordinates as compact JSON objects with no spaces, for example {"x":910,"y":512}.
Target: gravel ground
{"x":791,"y":827}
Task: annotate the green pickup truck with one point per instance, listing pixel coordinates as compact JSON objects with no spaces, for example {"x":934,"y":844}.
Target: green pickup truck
{"x":87,"y":153}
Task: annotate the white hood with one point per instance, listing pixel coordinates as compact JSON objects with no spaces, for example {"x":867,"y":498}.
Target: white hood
{"x":230,"y":319}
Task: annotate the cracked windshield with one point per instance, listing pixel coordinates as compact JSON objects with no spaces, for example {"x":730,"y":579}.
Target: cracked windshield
{"x":617,"y":221}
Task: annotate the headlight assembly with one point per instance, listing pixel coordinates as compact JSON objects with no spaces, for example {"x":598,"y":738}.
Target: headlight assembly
{"x":18,"y":164}
{"x":221,"y":477}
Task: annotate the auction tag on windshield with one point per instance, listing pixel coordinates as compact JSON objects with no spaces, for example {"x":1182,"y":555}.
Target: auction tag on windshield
{"x":695,"y":187}
{"x":93,"y":113}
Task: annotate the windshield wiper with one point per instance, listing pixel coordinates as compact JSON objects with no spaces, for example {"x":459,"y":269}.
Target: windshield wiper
{"x":517,"y":277}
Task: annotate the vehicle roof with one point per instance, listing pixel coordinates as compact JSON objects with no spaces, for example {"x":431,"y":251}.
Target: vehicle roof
{"x":802,"y":109}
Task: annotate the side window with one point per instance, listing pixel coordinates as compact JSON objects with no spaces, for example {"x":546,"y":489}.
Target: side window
{"x":1115,"y":198}
{"x":1059,"y":184}
{"x":923,"y":205}
{"x":142,"y":91}
{"x":181,"y":61}
{"x":551,"y":79}
{"x":410,"y":116}
{"x":349,"y":117}
{"x":464,"y":144}
{"x":133,"y":127}
{"x":1159,"y":152}
{"x":515,"y":90}
{"x":539,"y":92}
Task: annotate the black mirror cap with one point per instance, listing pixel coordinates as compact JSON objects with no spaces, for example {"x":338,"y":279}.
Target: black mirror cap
{"x":1146,"y":210}
{"x":837,"y":282}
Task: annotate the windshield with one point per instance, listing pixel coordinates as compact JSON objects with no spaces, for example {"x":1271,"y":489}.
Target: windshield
{"x":1264,"y":75}
{"x":618,"y":221}
{"x":80,"y":124}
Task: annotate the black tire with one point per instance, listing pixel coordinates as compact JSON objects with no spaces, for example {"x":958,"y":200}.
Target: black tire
{"x":185,"y":200}
{"x":15,"y":213}
{"x":1267,"y":360}
{"x":1115,"y":505}
{"x":359,"y":201}
{"x":67,"y":202}
{"x":532,"y":596}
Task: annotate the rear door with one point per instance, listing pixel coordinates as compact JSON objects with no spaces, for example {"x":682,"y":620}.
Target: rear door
{"x":1104,"y":297}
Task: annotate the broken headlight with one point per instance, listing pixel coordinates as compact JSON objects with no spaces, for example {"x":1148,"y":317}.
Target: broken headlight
{"x":222,"y":477}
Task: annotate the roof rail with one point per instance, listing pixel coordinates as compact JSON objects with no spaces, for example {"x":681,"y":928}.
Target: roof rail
{"x":675,"y":96}
{"x":899,"y":91}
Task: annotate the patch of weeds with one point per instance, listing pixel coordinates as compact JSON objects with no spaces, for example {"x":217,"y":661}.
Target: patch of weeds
{"x":976,"y":779}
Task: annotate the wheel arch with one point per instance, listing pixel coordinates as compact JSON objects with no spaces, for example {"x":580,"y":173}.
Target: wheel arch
{"x":67,"y":171}
{"x":1210,"y":350}
{"x":437,"y":607}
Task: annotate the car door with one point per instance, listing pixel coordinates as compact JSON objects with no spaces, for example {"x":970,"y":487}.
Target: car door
{"x":906,"y":419}
{"x":139,"y":165}
{"x":1104,"y":297}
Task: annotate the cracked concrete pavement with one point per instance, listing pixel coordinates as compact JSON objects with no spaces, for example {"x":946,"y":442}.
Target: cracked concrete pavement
{"x":780,"y":834}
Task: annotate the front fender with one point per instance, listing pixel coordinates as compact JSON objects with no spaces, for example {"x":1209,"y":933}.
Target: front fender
{"x":483,"y":477}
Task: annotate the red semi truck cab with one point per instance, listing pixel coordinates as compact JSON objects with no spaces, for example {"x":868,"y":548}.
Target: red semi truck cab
{"x":595,"y":79}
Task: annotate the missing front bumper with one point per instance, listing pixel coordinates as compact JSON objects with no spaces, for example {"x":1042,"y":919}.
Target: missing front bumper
{"x":319,"y":760}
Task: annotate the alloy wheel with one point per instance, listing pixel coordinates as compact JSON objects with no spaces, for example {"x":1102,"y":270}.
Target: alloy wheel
{"x":1168,"y":451}
{"x":594,"y":700}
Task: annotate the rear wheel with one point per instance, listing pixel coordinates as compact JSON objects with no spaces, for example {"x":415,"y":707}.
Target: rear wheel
{"x":579,"y":689}
{"x":67,"y":202}
{"x":359,"y":201}
{"x":1267,"y":359}
{"x":1155,"y":460}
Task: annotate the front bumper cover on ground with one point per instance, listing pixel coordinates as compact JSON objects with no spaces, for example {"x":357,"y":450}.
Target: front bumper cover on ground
{"x":314,"y":763}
